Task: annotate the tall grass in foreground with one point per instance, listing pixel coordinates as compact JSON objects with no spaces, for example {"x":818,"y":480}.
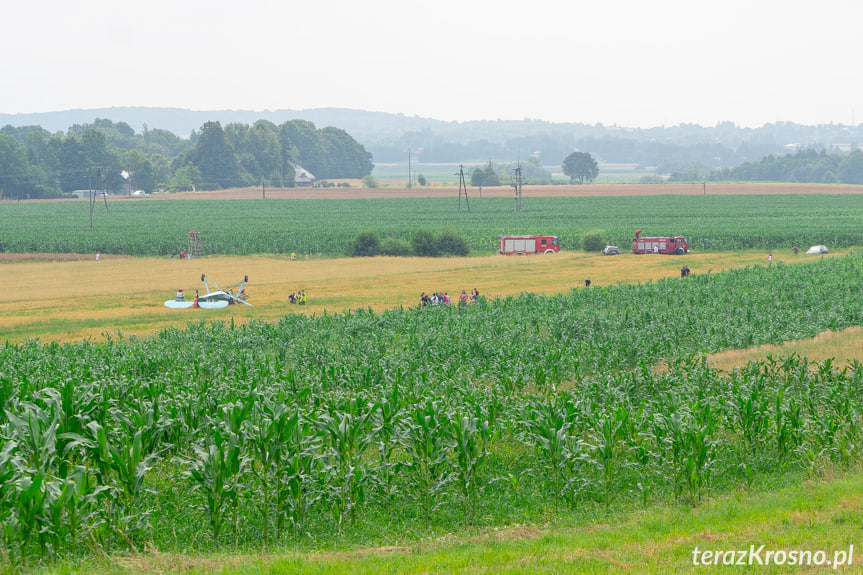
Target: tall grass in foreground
{"x":353,"y":425}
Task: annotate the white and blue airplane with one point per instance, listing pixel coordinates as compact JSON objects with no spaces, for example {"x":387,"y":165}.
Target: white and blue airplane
{"x":216,"y":299}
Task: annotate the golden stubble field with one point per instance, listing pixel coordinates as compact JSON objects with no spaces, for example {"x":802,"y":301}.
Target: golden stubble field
{"x":70,"y":298}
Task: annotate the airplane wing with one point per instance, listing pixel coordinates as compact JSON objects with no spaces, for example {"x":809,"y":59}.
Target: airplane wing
{"x":174,"y":304}
{"x":238,"y":300}
{"x":218,"y":304}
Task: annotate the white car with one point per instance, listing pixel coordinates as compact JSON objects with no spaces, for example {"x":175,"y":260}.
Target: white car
{"x":815,"y":250}
{"x":611,"y":251}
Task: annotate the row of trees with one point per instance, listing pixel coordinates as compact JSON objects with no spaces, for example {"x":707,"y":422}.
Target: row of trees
{"x":35,"y":163}
{"x":804,"y":166}
{"x":581,"y":167}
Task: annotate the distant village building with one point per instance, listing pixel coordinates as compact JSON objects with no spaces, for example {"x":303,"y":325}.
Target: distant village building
{"x":303,"y":177}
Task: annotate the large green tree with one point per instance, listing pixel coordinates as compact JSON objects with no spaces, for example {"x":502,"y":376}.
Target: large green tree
{"x":215,"y":158}
{"x":74,"y":171}
{"x":327,"y":153}
{"x":580,"y":167}
{"x":138,"y":166}
{"x":14,"y":169}
{"x":486,"y":176}
{"x":311,"y":152}
{"x":288,"y":156}
{"x":348,"y":158}
{"x":185,"y":178}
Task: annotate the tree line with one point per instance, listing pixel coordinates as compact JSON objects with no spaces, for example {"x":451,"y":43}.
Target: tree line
{"x":581,"y":167}
{"x":104,"y":155}
{"x":804,"y":166}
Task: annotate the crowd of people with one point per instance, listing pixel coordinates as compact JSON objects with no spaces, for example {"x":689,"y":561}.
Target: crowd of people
{"x":443,"y":298}
{"x":298,"y":298}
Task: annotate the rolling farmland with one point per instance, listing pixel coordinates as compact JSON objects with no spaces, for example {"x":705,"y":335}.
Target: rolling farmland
{"x":326,"y":227}
{"x":380,"y":426}
{"x":437,"y":418}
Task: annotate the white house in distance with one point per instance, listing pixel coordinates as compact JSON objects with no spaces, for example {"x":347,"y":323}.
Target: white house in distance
{"x":303,"y":177}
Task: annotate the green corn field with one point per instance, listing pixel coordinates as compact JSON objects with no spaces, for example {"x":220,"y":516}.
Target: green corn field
{"x":421,"y":420}
{"x":243,"y":227}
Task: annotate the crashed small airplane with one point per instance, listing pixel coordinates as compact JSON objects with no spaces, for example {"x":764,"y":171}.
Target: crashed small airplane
{"x":212,"y":299}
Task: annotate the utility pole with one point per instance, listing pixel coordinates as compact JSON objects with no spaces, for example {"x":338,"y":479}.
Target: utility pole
{"x":462,"y":185}
{"x":103,"y":186}
{"x":517,"y":186}
{"x":410,"y":180}
{"x":263,"y":190}
{"x":90,"y":193}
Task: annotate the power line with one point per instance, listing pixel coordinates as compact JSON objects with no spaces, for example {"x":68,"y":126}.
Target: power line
{"x":462,"y":184}
{"x":517,"y":186}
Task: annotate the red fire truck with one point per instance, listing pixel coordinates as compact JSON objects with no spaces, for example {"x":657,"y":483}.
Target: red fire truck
{"x":669,"y":245}
{"x":521,"y":245}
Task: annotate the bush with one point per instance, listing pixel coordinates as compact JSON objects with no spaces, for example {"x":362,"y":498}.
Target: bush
{"x":365,"y":244}
{"x":651,"y":179}
{"x":593,"y":240}
{"x":421,"y":180}
{"x":369,"y":181}
{"x":423,"y":244}
{"x":451,"y":243}
{"x":395,"y":247}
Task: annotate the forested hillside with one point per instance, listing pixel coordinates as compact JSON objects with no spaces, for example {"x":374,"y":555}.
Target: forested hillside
{"x":683,"y":148}
{"x":44,"y":155}
{"x":805,"y":166}
{"x":112,"y":156}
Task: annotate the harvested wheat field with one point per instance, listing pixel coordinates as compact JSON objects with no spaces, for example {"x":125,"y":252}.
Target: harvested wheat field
{"x":68,"y":298}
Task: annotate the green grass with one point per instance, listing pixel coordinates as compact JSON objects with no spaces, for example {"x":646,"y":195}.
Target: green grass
{"x":822,"y":514}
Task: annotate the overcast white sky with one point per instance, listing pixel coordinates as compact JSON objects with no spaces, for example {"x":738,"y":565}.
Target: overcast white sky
{"x":626,"y":62}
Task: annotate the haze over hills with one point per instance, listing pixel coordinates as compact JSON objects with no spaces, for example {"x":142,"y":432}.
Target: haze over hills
{"x":389,"y":136}
{"x":182,"y":122}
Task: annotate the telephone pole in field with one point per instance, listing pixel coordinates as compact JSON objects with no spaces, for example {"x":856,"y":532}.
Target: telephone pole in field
{"x":462,"y":186}
{"x":517,"y":186}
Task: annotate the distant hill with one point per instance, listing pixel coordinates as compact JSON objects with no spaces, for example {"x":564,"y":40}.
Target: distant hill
{"x":182,"y":121}
{"x":389,"y":136}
